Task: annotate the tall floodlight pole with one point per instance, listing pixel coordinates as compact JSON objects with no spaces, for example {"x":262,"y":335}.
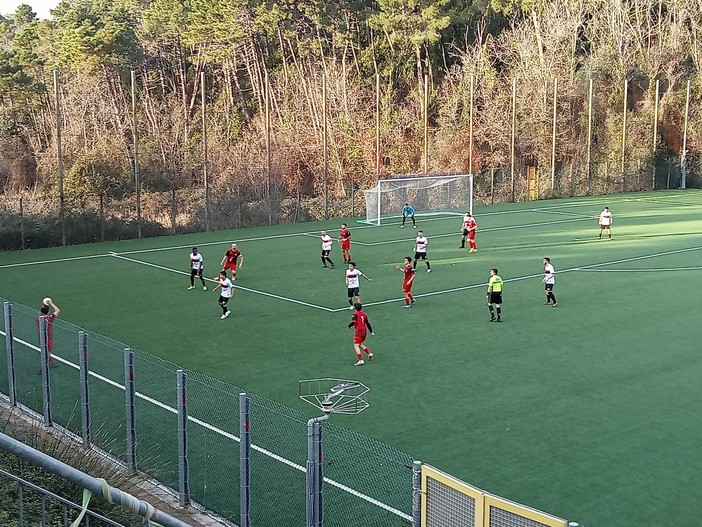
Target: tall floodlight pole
{"x":205,"y":171}
{"x":324,"y":143}
{"x":377,"y":126}
{"x":553,"y":136}
{"x":59,"y":159}
{"x":683,"y":161}
{"x":626,"y":94}
{"x":135,"y":143}
{"x":655,"y":137}
{"x":470,"y":128}
{"x":514,"y":131}
{"x":426,"y":122}
{"x":589,"y":140}
{"x":268,"y":149}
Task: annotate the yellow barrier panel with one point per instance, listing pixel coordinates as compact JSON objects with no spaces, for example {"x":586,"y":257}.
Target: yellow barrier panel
{"x":450,"y":502}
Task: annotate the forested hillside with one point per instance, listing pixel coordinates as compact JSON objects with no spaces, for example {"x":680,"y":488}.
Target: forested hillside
{"x":508,"y":57}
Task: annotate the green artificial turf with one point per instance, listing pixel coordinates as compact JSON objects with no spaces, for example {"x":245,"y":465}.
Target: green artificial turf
{"x":585,"y":411}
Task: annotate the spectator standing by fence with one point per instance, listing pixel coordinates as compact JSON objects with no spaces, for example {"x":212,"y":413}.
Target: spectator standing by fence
{"x":44,"y":313}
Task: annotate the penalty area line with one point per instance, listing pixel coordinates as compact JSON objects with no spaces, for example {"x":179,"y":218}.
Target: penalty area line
{"x":442,"y":292}
{"x":243,"y":288}
{"x":589,"y":267}
{"x":651,"y":270}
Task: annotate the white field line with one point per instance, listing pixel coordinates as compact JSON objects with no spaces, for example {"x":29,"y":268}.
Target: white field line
{"x":57,"y":260}
{"x":589,"y":267}
{"x":553,"y":208}
{"x":305,"y":234}
{"x":243,"y":288}
{"x":223,"y":433}
{"x":653,"y":270}
{"x":457,"y":234}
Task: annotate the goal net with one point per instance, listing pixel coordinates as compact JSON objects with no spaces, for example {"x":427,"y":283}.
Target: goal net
{"x":446,"y":195}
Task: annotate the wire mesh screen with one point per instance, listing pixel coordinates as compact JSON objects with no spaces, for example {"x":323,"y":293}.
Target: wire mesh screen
{"x":25,"y":326}
{"x":375,"y":486}
{"x":501,"y":518}
{"x":156,"y":418}
{"x":448,"y":507}
{"x":359,"y":468}
{"x":106,"y":383}
{"x":280,"y":458}
{"x":213,"y":443}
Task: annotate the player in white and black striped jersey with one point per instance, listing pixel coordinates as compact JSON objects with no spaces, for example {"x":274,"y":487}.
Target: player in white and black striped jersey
{"x":549,"y":281}
{"x":327,"y":242}
{"x":421,"y":244}
{"x":197,"y":266}
{"x":226,"y":293}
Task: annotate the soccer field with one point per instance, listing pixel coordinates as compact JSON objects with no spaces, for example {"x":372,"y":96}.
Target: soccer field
{"x":585,"y":411}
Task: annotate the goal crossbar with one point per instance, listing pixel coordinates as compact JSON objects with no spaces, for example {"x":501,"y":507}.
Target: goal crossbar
{"x":446,"y":194}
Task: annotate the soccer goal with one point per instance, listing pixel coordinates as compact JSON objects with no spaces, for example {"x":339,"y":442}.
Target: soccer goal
{"x":447,"y":195}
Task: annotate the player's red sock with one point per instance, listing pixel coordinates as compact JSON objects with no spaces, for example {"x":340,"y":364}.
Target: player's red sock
{"x":359,"y":356}
{"x":407,"y":301}
{"x":411,"y":297}
{"x":368,"y":351}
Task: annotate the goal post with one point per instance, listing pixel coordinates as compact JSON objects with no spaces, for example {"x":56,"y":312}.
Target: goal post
{"x":437,"y":195}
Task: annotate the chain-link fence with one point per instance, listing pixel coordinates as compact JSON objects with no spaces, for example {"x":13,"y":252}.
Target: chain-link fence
{"x":578,"y":136}
{"x":365,"y":480}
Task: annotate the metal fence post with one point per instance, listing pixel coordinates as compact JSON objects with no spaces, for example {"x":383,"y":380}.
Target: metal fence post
{"x":84,"y":392}
{"x":315,"y":474}
{"x":10,"y":350}
{"x":129,"y":404}
{"x":319,"y":450}
{"x":183,"y":472}
{"x":309,"y":476}
{"x":244,"y":460}
{"x":416,"y":493}
{"x":44,"y":368}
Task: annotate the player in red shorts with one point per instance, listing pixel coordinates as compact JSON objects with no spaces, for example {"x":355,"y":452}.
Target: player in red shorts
{"x":408,"y":280}
{"x":360,"y":321}
{"x":44,"y":313}
{"x":472,"y":227}
{"x":232,"y":258}
{"x":345,"y":241}
{"x":468,"y":230}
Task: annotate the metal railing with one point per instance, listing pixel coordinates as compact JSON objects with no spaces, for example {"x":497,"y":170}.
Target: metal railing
{"x":96,"y":486}
{"x":193,"y":433}
{"x":44,"y":514}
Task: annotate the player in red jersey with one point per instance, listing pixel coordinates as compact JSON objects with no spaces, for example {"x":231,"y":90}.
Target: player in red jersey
{"x":44,"y":314}
{"x":360,"y":321}
{"x":468,"y":230}
{"x":231,"y":259}
{"x":408,"y":280}
{"x":472,"y":227}
{"x":345,"y":240}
